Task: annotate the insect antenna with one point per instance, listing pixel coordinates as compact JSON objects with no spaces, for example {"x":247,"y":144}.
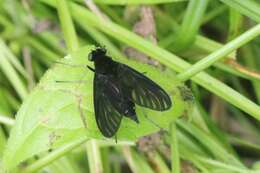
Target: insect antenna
{"x":71,"y":65}
{"x":74,"y":81}
{"x":90,"y":68}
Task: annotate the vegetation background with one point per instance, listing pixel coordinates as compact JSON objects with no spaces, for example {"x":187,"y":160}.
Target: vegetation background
{"x":213,"y":126}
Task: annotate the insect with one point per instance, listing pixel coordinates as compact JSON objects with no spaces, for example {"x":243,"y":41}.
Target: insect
{"x":117,"y":88}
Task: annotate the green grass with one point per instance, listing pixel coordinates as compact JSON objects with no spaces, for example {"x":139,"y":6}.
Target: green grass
{"x":211,"y":47}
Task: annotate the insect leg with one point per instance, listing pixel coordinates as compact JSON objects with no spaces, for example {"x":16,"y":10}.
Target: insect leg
{"x":90,"y":68}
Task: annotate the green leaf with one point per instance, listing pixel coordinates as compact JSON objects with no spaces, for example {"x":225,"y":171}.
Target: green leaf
{"x":50,"y":116}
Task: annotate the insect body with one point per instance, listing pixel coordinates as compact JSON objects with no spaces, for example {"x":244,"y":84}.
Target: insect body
{"x":117,"y":88}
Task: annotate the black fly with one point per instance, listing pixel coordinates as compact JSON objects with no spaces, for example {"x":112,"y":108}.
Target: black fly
{"x":117,"y":88}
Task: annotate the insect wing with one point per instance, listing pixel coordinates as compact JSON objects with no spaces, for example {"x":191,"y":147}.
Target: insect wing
{"x":144,"y":91}
{"x":107,"y":117}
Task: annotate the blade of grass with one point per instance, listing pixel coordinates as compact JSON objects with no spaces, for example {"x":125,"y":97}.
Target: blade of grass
{"x":201,"y":42}
{"x":244,"y":143}
{"x":53,"y":156}
{"x":207,"y":45}
{"x":249,"y":127}
{"x":116,"y":168}
{"x":250,"y":60}
{"x":11,"y":73}
{"x":214,"y":13}
{"x":223,"y":165}
{"x":11,"y":57}
{"x":188,"y":142}
{"x":186,"y":154}
{"x":243,"y":72}
{"x":12,"y":100}
{"x":94,"y":157}
{"x":6,"y":100}
{"x":129,"y":158}
{"x":136,"y":162}
{"x":105,"y":154}
{"x":190,"y":26}
{"x":63,"y":165}
{"x":49,"y":56}
{"x":67,"y":25}
{"x":210,"y":46}
{"x":214,"y":146}
{"x":220,"y":53}
{"x":215,"y":131}
{"x":235,"y":23}
{"x":175,"y":159}
{"x":53,"y":41}
{"x":113,"y":15}
{"x":249,"y":8}
{"x":159,"y":164}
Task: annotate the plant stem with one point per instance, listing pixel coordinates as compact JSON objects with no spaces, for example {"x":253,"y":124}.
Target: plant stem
{"x":53,"y":156}
{"x":220,"y":54}
{"x":249,"y":8}
{"x":94,"y":157}
{"x":67,"y":25}
{"x":223,"y":165}
{"x":191,"y":23}
{"x":174,"y":150}
{"x":10,"y":72}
